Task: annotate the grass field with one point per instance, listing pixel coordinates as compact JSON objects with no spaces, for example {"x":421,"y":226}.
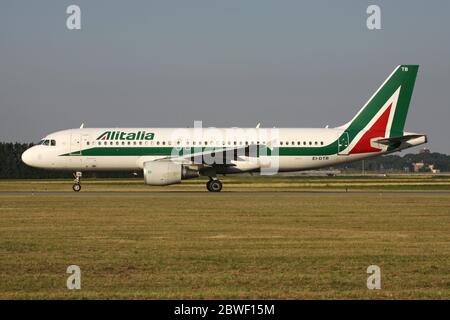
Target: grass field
{"x":246,"y":183}
{"x":235,"y":244}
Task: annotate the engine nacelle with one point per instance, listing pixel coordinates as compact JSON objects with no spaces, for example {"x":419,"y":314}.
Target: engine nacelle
{"x":166,"y":172}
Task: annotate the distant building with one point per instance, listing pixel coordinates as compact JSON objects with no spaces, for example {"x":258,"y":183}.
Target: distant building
{"x":418,"y":166}
{"x":422,"y":167}
{"x":433,"y":169}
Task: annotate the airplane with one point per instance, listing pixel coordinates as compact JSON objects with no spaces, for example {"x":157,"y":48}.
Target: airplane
{"x":169,"y":155}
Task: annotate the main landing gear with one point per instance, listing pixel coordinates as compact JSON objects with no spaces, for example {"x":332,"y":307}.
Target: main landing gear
{"x":214,"y":185}
{"x":77,"y":179}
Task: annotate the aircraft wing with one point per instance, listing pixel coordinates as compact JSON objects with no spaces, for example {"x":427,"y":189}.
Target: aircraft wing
{"x":223,"y":156}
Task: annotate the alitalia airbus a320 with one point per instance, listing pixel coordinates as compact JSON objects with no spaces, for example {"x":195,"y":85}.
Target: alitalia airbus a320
{"x":169,"y":155}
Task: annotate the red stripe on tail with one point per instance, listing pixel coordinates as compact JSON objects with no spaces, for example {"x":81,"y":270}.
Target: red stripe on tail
{"x":378,"y":129}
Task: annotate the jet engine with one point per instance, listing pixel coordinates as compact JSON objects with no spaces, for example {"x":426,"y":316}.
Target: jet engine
{"x":166,"y":172}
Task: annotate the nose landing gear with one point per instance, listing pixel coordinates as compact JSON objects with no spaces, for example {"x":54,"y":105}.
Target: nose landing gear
{"x":77,"y":179}
{"x":214,"y":185}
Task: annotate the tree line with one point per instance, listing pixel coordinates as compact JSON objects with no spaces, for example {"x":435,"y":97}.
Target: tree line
{"x":395,"y":162}
{"x":12,"y":167}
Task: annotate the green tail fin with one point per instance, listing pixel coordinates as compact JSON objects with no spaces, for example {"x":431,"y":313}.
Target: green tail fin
{"x":394,"y":95}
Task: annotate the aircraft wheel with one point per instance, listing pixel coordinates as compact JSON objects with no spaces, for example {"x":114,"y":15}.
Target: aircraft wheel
{"x":76,"y":187}
{"x":208,"y":185}
{"x":215,"y":186}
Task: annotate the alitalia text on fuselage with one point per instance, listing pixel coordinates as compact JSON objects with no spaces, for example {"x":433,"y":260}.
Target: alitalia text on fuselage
{"x":121,"y":135}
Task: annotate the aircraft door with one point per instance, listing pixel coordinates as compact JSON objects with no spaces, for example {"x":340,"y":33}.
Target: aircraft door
{"x":343,"y":142}
{"x":85,"y":142}
{"x":74,"y":161}
{"x":75,"y":145}
{"x":89,"y":162}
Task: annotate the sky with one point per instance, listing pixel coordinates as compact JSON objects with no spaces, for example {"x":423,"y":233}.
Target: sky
{"x":228,"y":63}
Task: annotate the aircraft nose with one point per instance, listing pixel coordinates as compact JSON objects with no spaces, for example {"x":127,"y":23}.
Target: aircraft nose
{"x":27,"y":157}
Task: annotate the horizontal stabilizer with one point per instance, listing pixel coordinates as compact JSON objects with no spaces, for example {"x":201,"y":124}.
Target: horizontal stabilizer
{"x":395,"y":140}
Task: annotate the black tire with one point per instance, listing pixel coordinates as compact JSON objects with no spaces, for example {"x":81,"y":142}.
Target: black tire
{"x":208,"y":185}
{"x":76,"y":187}
{"x":215,"y":186}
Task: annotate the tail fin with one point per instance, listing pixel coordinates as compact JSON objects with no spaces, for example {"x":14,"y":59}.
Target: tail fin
{"x":384,"y":115}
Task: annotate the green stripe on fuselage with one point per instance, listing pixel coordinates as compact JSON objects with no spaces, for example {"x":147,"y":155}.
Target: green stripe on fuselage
{"x":169,"y":151}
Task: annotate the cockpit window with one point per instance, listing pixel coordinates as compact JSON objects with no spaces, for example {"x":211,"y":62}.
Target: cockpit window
{"x":47,"y":142}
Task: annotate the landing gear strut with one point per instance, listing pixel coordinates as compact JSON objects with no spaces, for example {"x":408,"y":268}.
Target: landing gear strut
{"x":214,"y":185}
{"x":77,"y":179}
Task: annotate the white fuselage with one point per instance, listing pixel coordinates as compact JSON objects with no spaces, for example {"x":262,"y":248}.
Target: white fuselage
{"x":127,"y":149}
